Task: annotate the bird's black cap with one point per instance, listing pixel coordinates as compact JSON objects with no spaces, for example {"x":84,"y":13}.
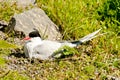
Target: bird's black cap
{"x":34,"y":33}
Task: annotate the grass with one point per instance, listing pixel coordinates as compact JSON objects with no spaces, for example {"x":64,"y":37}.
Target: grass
{"x":13,"y":75}
{"x":97,"y":59}
{"x":6,"y":45}
{"x":7,"y":11}
{"x":72,"y":17}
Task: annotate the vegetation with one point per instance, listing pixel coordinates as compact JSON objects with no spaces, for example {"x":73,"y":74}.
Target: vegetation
{"x":7,"y":10}
{"x":14,"y":75}
{"x":6,"y":45}
{"x":95,"y":60}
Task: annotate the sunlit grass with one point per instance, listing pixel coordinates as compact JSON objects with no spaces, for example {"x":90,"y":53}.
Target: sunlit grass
{"x":6,"y":45}
{"x":76,"y":17}
{"x":13,"y":75}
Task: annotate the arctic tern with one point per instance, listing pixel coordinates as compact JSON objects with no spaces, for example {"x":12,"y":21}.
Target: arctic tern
{"x":35,"y":47}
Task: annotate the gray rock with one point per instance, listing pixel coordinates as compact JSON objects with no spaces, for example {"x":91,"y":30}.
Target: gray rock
{"x":3,"y":24}
{"x":34,"y":18}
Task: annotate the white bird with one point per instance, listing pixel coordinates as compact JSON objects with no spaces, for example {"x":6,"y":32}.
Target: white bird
{"x":35,"y":47}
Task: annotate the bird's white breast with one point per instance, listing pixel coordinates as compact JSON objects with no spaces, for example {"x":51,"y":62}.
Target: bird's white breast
{"x":30,"y":45}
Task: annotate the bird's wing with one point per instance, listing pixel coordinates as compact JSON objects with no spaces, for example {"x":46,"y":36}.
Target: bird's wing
{"x":46,"y":49}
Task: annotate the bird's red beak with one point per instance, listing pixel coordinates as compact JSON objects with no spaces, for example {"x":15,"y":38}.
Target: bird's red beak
{"x":27,"y":38}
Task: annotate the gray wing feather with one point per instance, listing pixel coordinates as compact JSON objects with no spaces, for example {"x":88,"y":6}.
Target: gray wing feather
{"x":45,"y":50}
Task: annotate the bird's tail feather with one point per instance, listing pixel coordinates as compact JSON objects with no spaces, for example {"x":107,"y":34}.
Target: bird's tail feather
{"x":89,"y":36}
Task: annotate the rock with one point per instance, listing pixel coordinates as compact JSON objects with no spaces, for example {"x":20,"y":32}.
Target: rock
{"x":2,"y":35}
{"x":20,"y":3}
{"x":3,"y":24}
{"x":34,"y":18}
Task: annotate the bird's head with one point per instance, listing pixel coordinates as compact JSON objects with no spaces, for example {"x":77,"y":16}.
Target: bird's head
{"x":33,"y":36}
